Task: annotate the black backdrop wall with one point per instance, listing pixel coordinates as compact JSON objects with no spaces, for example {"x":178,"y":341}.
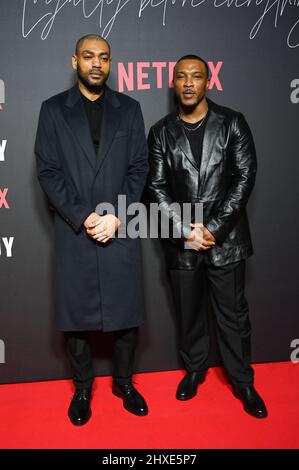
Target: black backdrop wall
{"x":253,"y":50}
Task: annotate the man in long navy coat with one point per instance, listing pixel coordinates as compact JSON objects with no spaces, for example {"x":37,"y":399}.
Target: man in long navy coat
{"x":91,"y":148}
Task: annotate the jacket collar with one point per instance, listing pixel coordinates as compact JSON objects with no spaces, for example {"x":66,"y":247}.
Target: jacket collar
{"x":77,"y":120}
{"x":213,"y":125}
{"x":74,"y":95}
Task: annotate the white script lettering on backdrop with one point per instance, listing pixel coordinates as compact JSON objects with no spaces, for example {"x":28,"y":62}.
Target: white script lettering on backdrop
{"x":108,"y":11}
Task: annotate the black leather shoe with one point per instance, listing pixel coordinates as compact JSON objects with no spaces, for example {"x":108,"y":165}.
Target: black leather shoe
{"x":252,"y":402}
{"x":187,"y":388}
{"x":79,"y":410}
{"x":132,"y":400}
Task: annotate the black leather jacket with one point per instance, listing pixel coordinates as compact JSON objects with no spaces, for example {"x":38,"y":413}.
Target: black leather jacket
{"x":223,"y":183}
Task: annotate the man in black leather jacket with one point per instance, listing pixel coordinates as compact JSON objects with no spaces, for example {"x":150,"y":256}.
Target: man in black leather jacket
{"x":204,"y":153}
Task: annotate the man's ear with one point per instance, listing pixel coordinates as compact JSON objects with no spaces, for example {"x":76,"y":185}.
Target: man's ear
{"x":74,"y":61}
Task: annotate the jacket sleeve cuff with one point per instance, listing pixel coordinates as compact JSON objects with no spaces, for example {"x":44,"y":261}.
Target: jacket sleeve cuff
{"x":214,"y":230}
{"x":77,"y":224}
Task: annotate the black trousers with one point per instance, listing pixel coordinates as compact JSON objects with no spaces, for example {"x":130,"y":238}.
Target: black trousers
{"x":224,"y":288}
{"x":80,"y":358}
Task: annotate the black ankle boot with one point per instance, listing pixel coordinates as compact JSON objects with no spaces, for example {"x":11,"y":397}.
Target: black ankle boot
{"x":79,"y":411}
{"x":252,"y":402}
{"x":187,"y":388}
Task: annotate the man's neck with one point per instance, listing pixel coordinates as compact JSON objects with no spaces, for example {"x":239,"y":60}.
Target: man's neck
{"x":91,"y":94}
{"x":193,"y":115}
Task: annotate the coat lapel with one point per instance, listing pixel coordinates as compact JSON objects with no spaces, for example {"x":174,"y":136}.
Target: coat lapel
{"x":110,"y":122}
{"x":181,"y":140}
{"x":77,"y":120}
{"x":213,"y":125}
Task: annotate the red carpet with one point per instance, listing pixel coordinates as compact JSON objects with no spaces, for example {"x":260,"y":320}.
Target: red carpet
{"x":34,"y":415}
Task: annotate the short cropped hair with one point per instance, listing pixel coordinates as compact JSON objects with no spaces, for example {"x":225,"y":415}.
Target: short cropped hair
{"x":196,"y":57}
{"x":95,"y":37}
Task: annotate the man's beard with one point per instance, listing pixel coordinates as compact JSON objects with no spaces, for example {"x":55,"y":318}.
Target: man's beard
{"x":90,"y":86}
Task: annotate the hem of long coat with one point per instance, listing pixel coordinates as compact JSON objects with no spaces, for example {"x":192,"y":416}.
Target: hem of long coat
{"x":133,"y":325}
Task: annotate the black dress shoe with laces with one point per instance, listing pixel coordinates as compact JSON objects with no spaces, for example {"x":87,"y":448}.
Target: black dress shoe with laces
{"x":79,"y":411}
{"x":132,"y":399}
{"x":187,"y":388}
{"x":252,"y":402}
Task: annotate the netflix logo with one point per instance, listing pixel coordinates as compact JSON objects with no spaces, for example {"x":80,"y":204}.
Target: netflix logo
{"x":153,"y":75}
{"x":3,"y":198}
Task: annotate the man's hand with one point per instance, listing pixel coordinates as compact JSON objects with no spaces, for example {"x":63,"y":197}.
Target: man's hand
{"x":200,"y":239}
{"x":92,"y":220}
{"x":104,"y":229}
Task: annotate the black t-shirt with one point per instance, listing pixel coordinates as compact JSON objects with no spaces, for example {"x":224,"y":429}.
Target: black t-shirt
{"x":195,"y":134}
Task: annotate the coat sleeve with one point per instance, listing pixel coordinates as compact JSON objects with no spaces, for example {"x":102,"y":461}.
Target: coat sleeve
{"x":159,"y":191}
{"x":61,"y":195}
{"x":242,"y":155}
